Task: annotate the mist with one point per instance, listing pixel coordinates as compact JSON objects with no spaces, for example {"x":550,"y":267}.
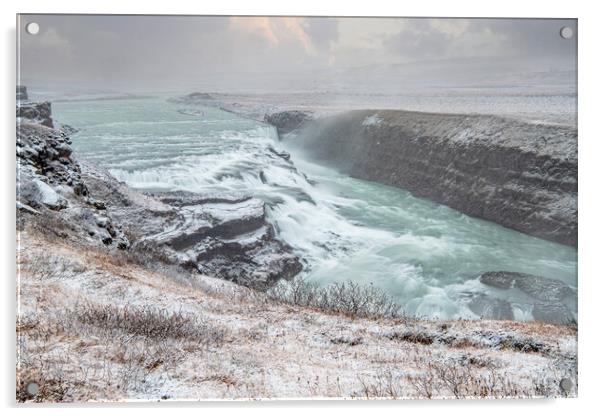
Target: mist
{"x":287,"y":54}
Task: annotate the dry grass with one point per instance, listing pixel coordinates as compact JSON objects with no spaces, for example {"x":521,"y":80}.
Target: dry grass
{"x":448,"y":379}
{"x":47,"y":266}
{"x":95,"y":326}
{"x":48,"y":389}
{"x":128,"y":345}
{"x":147,"y":321}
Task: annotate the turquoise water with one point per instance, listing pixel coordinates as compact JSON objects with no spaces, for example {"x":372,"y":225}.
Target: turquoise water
{"x":427,"y":256}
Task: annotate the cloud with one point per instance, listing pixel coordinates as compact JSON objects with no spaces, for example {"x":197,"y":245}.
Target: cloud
{"x":231,"y":52}
{"x":531,"y":37}
{"x":255,"y":25}
{"x":457,"y":38}
{"x":313,"y":34}
{"x":323,"y":32}
{"x":419,"y":41}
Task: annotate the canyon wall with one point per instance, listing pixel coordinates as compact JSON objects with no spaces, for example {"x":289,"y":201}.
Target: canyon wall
{"x":517,"y":174}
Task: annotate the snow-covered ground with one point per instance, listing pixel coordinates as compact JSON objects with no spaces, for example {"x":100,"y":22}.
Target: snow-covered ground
{"x":81,"y":336}
{"x":549,"y":106}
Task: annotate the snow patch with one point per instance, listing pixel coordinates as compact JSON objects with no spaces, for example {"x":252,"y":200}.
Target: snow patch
{"x":373,"y":120}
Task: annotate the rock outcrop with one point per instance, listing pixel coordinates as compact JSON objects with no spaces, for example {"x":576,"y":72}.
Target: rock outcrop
{"x":553,"y":299}
{"x":520,"y":175}
{"x":40,"y":113}
{"x":36,"y":193}
{"x":50,"y":184}
{"x":287,"y":121}
{"x":488,"y":307}
{"x":283,"y":119}
{"x":22,"y":93}
{"x":46,"y":153}
{"x":225,"y":236}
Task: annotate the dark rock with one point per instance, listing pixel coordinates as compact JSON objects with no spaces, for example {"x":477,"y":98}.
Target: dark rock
{"x":544,"y":289}
{"x":259,"y":268}
{"x":283,"y":155}
{"x":225,"y":220}
{"x":553,"y":312}
{"x":21,"y":93}
{"x":99,"y":205}
{"x":67,"y":130}
{"x":122,"y":245}
{"x":79,"y":188}
{"x":517,"y":174}
{"x":501,"y":280}
{"x":488,"y":307}
{"x":262,"y":177}
{"x":192,"y":112}
{"x":185,"y":198}
{"x":49,"y":177}
{"x":540,"y":288}
{"x":37,"y":112}
{"x":222,"y":235}
{"x":199,"y":96}
{"x":46,"y":151}
{"x":554,"y":298}
{"x":287,"y":121}
{"x":232,"y":240}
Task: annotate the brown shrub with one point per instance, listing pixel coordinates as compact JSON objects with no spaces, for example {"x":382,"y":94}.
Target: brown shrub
{"x":348,"y":298}
{"x":146,"y":321}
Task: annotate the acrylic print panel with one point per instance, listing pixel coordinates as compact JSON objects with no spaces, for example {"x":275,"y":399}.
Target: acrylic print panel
{"x":295,"y":207}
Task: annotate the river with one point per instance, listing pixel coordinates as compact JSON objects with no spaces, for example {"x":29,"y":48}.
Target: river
{"x":425,"y":255}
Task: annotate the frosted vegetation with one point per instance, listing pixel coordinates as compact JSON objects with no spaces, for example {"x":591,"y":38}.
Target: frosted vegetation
{"x":102,"y":326}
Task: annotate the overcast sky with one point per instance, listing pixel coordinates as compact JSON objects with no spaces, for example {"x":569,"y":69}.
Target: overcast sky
{"x":239,"y":53}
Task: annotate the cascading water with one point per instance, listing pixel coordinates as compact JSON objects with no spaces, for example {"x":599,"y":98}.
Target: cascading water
{"x":425,"y":255}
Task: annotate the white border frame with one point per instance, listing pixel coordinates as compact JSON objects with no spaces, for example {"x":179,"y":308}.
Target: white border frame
{"x":590,"y":287}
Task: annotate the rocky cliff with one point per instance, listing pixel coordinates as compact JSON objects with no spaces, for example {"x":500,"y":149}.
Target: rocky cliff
{"x":287,"y":121}
{"x":225,"y":236}
{"x":22,"y":93}
{"x":39,"y":113}
{"x":517,"y":174}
